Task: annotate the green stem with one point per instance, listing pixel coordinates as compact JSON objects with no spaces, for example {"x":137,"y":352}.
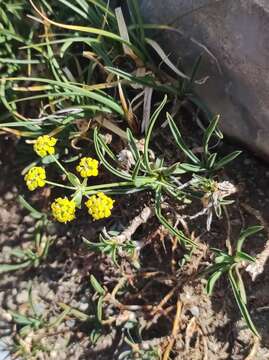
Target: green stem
{"x":60,"y":165}
{"x":106,"y":186}
{"x":60,"y":185}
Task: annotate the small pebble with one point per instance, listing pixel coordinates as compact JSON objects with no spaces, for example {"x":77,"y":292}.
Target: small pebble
{"x":28,"y":219}
{"x":40,"y":308}
{"x":22,"y":297}
{"x":195,"y":311}
{"x":83,"y":306}
{"x":10,"y":304}
{"x":70,"y":323}
{"x":8,"y":196}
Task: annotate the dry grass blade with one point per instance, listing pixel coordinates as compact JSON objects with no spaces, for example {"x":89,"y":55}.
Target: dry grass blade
{"x":146,"y":109}
{"x":108,"y":124}
{"x":124,"y":32}
{"x":175,"y":330}
{"x":129,"y":115}
{"x":191,"y":329}
{"x":165,"y":58}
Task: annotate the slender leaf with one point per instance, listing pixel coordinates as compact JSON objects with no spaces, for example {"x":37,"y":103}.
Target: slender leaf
{"x":209,"y":132}
{"x":153,"y":119}
{"x":100,"y":308}
{"x":179,"y":234}
{"x":179,"y":140}
{"x":226,"y":159}
{"x":245,"y":234}
{"x":242,"y":307}
{"x":98,"y":149}
{"x":13,"y":267}
{"x":96,"y":285}
{"x":212,"y":281}
{"x":132,"y":145}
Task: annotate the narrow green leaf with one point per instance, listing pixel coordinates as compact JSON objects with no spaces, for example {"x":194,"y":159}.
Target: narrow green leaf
{"x":179,"y":234}
{"x":179,"y":140}
{"x":209,"y":132}
{"x":100,"y":308}
{"x":136,"y":169}
{"x":212,"y":281}
{"x":13,"y":267}
{"x":132,"y":145}
{"x":190,"y":167}
{"x":244,"y":256}
{"x":80,"y":91}
{"x":211,"y":160}
{"x":98,"y":149}
{"x":240,"y":286}
{"x":242,"y":307}
{"x":152,"y":121}
{"x":245,"y":234}
{"x":96,"y":285}
{"x":106,"y":148}
{"x":226,"y":159}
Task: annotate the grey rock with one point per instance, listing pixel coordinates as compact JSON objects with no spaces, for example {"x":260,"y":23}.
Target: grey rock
{"x":236,"y":33}
{"x":28,"y":219}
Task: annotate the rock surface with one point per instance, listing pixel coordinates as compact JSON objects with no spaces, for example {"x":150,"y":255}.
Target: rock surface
{"x":236,"y":33}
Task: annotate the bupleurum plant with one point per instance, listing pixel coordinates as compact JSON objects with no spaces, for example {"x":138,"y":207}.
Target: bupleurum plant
{"x":146,"y":173}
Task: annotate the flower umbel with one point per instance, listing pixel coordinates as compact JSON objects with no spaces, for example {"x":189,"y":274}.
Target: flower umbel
{"x":35,"y":178}
{"x":88,"y":167}
{"x":63,"y":209}
{"x":44,"y":145}
{"x":99,"y":206}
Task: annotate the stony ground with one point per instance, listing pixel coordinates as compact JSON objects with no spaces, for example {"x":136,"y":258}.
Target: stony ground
{"x":153,"y":296}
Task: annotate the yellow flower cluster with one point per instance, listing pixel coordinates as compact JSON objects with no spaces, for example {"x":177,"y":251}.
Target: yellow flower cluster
{"x":87,"y":167}
{"x":44,"y":145}
{"x":63,"y":209}
{"x":35,"y":177}
{"x":99,"y":206}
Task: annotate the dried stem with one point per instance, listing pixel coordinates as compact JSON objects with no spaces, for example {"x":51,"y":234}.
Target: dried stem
{"x":175,"y":330}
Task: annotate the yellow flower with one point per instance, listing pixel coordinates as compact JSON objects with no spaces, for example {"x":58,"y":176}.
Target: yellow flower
{"x":35,"y":177}
{"x":63,"y":209}
{"x":88,"y":167}
{"x":99,"y":206}
{"x":44,"y":145}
